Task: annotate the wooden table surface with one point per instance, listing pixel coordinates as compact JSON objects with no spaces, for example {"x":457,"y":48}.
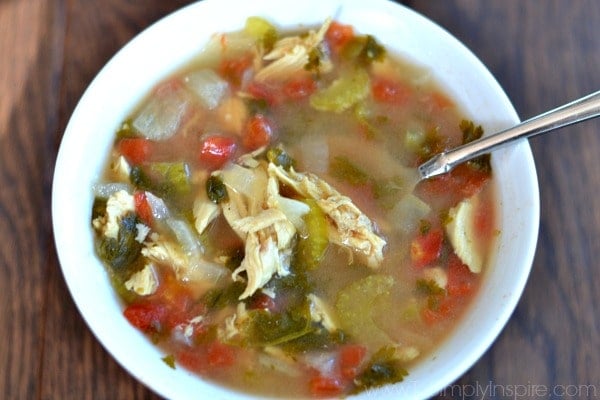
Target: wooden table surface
{"x":544,"y":53}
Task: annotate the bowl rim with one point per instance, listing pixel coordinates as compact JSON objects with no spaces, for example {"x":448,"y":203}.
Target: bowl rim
{"x":378,"y":15}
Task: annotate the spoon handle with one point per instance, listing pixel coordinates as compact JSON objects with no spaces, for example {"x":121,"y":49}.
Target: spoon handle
{"x":576,"y":111}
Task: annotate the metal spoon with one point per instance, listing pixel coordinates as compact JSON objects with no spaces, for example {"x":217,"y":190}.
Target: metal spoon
{"x":579,"y":110}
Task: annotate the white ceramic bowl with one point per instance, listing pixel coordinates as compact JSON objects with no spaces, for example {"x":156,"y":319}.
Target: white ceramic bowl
{"x":169,"y":43}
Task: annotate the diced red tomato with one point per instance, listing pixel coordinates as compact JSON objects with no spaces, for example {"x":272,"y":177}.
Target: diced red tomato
{"x":146,"y":316}
{"x":135,"y":150}
{"x":338,"y":35}
{"x":351,"y":358}
{"x":447,"y":308}
{"x":234,"y":69}
{"x":274,"y":94}
{"x":220,"y":355}
{"x":391,"y":92}
{"x":461,"y":281}
{"x":194,"y":359}
{"x":425,"y":249}
{"x":179,"y":301}
{"x":469,"y":180}
{"x":142,"y":207}
{"x":460,"y":183}
{"x":430,"y":317}
{"x":261,"y":301}
{"x":171,"y":305}
{"x":300,"y":88}
{"x":322,"y":386}
{"x":264,"y":92}
{"x":258,"y":132}
{"x":217,"y":150}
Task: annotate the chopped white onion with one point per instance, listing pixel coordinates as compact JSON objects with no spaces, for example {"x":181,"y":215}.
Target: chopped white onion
{"x":161,"y":115}
{"x":157,"y":205}
{"x":198,"y":269}
{"x":247,"y":181}
{"x":294,"y":210}
{"x":405,"y":215}
{"x":209,"y":87}
{"x":187,"y":239}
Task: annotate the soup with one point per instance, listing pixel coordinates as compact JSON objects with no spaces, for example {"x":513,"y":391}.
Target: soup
{"x":261,"y":218}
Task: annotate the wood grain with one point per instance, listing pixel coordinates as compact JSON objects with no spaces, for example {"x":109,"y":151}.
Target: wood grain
{"x":542,"y":53}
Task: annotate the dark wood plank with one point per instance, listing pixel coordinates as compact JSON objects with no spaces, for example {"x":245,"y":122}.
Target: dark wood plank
{"x":31,"y":62}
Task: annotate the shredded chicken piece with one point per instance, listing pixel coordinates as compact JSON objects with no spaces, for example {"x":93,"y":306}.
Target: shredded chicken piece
{"x":249,"y":159}
{"x":291,"y":54}
{"x":187,"y":268}
{"x":268,"y":248}
{"x":144,"y":282}
{"x":353,"y":229}
{"x":254,"y":214}
{"x":120,"y":167}
{"x":188,"y":329}
{"x":321,"y":313}
{"x":205,"y":211}
{"x":261,"y":261}
{"x":232,"y":324}
{"x":118,"y":205}
{"x":164,"y":251}
{"x":142,"y":232}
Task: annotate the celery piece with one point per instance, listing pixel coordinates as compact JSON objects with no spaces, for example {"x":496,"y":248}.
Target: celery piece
{"x":343,"y":93}
{"x":262,"y":31}
{"x":411,"y":312}
{"x":414,"y":141}
{"x":313,"y":242}
{"x":356,"y":304}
